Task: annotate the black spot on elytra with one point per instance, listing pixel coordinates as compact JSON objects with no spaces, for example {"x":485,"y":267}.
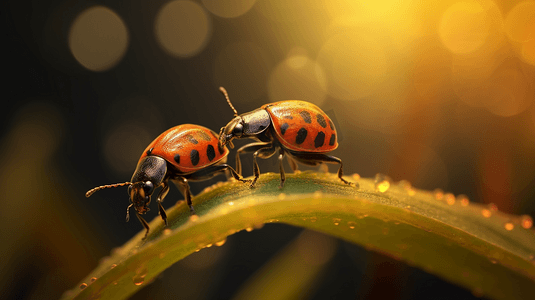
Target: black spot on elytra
{"x":177,"y":158}
{"x":321,"y":120}
{"x":301,"y":136}
{"x":284,"y":127}
{"x":331,"y":124}
{"x":306,"y":116}
{"x":319,"y":140}
{"x":194,"y":156}
{"x":332,"y":140}
{"x":205,"y":136}
{"x":149,"y":152}
{"x":210,"y":152}
{"x":191,"y":139}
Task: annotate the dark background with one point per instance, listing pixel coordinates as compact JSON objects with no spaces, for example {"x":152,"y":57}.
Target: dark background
{"x":436,"y":93}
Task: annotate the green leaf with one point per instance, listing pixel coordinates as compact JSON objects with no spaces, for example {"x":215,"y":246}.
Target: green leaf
{"x":474,"y":246}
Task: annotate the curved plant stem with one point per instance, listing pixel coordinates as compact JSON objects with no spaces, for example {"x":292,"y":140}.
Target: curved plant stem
{"x":486,"y":251}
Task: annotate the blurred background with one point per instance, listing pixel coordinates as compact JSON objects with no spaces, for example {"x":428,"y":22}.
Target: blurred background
{"x":439,"y":93}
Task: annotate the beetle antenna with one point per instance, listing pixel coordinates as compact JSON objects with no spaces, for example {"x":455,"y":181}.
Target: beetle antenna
{"x":98,"y":188}
{"x":222,"y":90}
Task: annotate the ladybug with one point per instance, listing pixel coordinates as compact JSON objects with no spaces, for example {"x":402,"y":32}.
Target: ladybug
{"x":181,"y":154}
{"x":295,"y":128}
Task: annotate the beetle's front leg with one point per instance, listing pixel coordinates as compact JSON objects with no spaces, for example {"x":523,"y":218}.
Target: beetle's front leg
{"x":159,"y":200}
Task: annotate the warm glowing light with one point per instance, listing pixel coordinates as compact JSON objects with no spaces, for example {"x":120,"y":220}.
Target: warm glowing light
{"x":98,"y":38}
{"x":509,"y":226}
{"x":528,"y":51}
{"x":520,"y":22}
{"x":486,"y":213}
{"x":297,"y":78}
{"x":464,"y":27}
{"x":182,"y":28}
{"x":526,"y":221}
{"x":228,"y":8}
{"x":508,"y":91}
{"x":355,"y":64}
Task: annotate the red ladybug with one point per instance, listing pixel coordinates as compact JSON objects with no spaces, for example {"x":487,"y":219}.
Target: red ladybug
{"x":181,"y":154}
{"x":297,"y":128}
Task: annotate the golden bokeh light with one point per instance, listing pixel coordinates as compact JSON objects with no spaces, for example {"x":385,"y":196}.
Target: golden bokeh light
{"x":98,"y":38}
{"x":508,"y":92}
{"x":355,"y":64}
{"x":520,"y":22}
{"x":228,"y":8}
{"x":242,"y":68}
{"x":182,"y":28}
{"x":297,"y":78}
{"x":464,"y":27}
{"x":528,"y":52}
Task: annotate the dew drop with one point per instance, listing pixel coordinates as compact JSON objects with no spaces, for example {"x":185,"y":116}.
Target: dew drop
{"x":439,"y":194}
{"x":509,"y":226}
{"x":194,"y":218}
{"x":281,"y":196}
{"x":139,"y":278}
{"x":231,"y":203}
{"x":221,"y":242}
{"x":405,"y":184}
{"x":486,"y":213}
{"x":351,"y":224}
{"x":362,"y":216}
{"x":249,"y":229}
{"x":337,"y":221}
{"x":83,"y":286}
{"x":382,"y":183}
{"x":463,"y":199}
{"x":93,"y":279}
{"x":356,"y":176}
{"x":317,"y":194}
{"x":208,"y":246}
{"x":167,"y":231}
{"x":526,"y":221}
{"x":450,"y":198}
{"x":115,"y":283}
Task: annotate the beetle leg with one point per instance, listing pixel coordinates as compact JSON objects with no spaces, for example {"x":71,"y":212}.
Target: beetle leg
{"x":265,"y":152}
{"x":184,"y":187}
{"x":281,"y":168}
{"x":211,"y":171}
{"x":253,"y":147}
{"x":293,"y":164}
{"x":318,"y":158}
{"x":161,"y":196}
{"x":145,"y":224}
{"x":128,"y":212}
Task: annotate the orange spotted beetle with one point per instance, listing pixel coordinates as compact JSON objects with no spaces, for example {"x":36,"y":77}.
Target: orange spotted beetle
{"x":181,"y":154}
{"x":297,"y":128}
